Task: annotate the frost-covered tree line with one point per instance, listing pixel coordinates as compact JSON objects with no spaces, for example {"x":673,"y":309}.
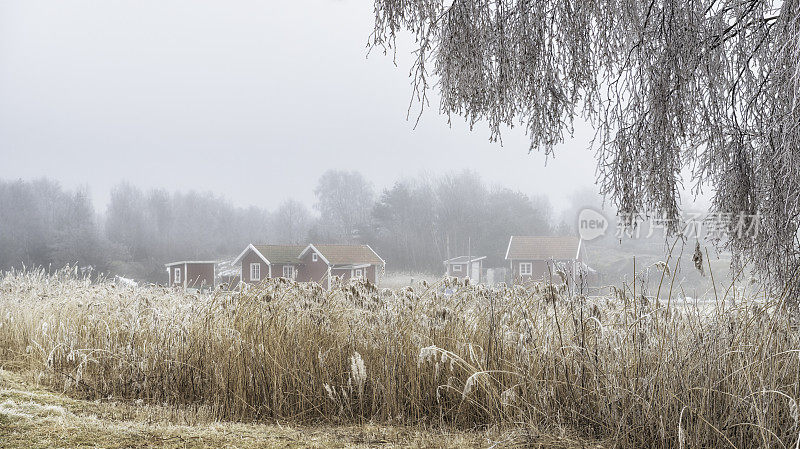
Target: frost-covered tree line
{"x":42,"y":224}
{"x":414,"y":224}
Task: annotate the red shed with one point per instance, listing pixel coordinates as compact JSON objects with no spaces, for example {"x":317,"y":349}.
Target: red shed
{"x":261,"y":262}
{"x":192,"y":274}
{"x":539,"y":258}
{"x":323,"y":262}
{"x":311,"y":263}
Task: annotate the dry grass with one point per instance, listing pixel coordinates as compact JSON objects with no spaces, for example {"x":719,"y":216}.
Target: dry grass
{"x":33,"y":417}
{"x":627,"y":369}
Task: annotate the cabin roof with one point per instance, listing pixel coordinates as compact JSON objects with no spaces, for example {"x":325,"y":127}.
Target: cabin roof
{"x":281,"y":254}
{"x":543,"y":248}
{"x":273,"y":254}
{"x":463,"y":259}
{"x":346,"y":254}
{"x":191,"y":262}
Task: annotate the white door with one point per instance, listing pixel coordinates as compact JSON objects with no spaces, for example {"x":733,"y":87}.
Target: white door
{"x":475,"y":275}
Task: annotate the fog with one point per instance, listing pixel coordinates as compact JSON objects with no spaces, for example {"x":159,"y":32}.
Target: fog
{"x":416,"y":224}
{"x":251,"y":100}
{"x":134,"y":133}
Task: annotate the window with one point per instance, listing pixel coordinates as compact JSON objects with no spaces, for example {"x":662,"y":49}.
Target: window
{"x":288,"y":271}
{"x":177,"y":276}
{"x":314,"y":257}
{"x":358,"y":273}
{"x":255,"y":271}
{"x":456,"y":268}
{"x":526,"y":269}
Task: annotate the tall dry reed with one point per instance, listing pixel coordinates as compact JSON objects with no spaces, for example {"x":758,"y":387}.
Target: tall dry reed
{"x":636,"y":370}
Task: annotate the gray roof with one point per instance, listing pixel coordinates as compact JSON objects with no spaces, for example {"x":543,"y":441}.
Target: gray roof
{"x":191,"y":262}
{"x":349,"y":254}
{"x":280,"y":254}
{"x":463,"y":259}
{"x":543,"y":248}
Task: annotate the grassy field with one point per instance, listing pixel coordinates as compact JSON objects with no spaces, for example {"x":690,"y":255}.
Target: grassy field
{"x":34,"y":417}
{"x":539,"y":365}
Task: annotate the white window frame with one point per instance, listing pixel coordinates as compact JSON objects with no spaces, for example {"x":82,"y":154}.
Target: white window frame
{"x":288,"y":271}
{"x":314,"y":257}
{"x":457,"y":268}
{"x":526,"y":268}
{"x":177,"y":276}
{"x":255,"y":271}
{"x":358,"y":273}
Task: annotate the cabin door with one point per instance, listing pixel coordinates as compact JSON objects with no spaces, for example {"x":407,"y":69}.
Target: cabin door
{"x":475,"y":272}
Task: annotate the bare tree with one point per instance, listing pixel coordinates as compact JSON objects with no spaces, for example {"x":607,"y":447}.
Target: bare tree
{"x":126,"y":223}
{"x":344,"y":201}
{"x":709,"y":87}
{"x":406,"y":226}
{"x":461,"y":203}
{"x":292,"y":222}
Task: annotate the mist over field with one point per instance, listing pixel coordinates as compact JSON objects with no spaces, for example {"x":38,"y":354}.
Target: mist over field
{"x":190,"y":133}
{"x":415,"y":225}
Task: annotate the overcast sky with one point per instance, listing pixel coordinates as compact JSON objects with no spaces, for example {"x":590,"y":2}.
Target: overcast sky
{"x":252,"y":100}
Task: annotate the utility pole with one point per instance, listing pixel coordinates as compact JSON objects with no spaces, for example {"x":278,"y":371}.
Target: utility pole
{"x":469,"y":257}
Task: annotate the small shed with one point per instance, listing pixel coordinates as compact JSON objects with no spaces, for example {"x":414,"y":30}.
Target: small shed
{"x":465,"y":266}
{"x":322,"y":263}
{"x":539,"y":258}
{"x":192,"y":274}
{"x":259,"y":262}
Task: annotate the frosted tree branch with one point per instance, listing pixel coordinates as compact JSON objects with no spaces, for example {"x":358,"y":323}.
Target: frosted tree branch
{"x":708,"y":86}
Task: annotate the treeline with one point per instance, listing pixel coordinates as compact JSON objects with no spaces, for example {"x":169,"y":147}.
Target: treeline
{"x":419,"y":223}
{"x":414,"y":225}
{"x":43,"y":225}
